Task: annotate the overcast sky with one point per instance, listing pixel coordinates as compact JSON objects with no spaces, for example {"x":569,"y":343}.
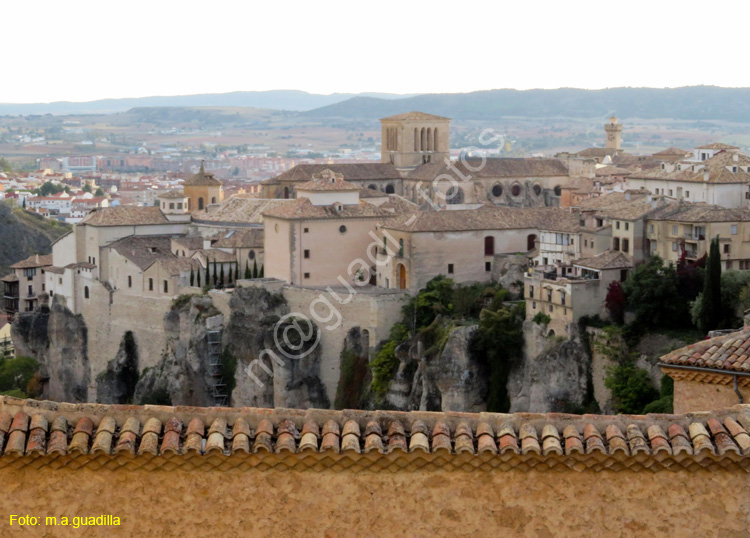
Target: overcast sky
{"x":84,"y":50}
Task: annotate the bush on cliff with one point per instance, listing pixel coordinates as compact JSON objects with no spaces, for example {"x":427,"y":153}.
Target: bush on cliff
{"x":16,"y":375}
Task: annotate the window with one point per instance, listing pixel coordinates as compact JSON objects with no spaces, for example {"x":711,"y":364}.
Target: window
{"x":59,"y":281}
{"x":531,"y":291}
{"x":171,"y":205}
{"x":625,"y":245}
{"x":489,"y":246}
{"x":150,"y":284}
{"x":687,"y":194}
{"x":727,"y":247}
{"x":29,"y":273}
{"x":615,"y":243}
{"x":570,"y":241}
{"x":627,"y":225}
{"x":94,"y":260}
{"x":599,"y":223}
{"x":307,"y":275}
{"x":551,"y":308}
{"x":85,"y":292}
{"x":166,"y":286}
{"x":537,"y":189}
{"x":651,"y":228}
{"x":592,"y":243}
{"x":582,"y":223}
{"x":179,"y":205}
{"x":585,"y":242}
{"x":515,"y":190}
{"x":549,"y":296}
{"x":307,"y":253}
{"x":306,"y":230}
{"x":674,"y":230}
{"x":488,"y":266}
{"x":251,"y":255}
{"x":342,"y":229}
{"x":31,"y":291}
{"x":617,"y":224}
{"x":497,"y":190}
{"x":674,"y":246}
{"x":670,"y":192}
{"x":533,"y":305}
{"x":401,"y":250}
{"x":450,"y":268}
{"x":130,"y":281}
{"x":734,"y":229}
{"x":562,"y":298}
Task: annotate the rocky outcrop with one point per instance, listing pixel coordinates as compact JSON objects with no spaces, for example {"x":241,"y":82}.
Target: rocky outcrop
{"x":354,"y":376}
{"x":449,"y":380}
{"x":57,"y":339}
{"x":278,"y":357}
{"x":117,"y":383}
{"x":554,"y":375}
{"x":183,"y":376}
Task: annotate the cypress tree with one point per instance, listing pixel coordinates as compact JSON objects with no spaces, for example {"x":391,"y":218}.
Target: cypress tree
{"x":710,"y":312}
{"x":255,"y":268}
{"x":221,"y":276}
{"x":229,"y":280}
{"x":192,"y":277}
{"x":260,"y":274}
{"x":199,"y":279}
{"x":236,"y":270}
{"x":216,"y":277}
{"x":248,"y":274}
{"x":208,"y":272}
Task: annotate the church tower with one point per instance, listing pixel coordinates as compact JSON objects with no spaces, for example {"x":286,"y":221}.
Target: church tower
{"x":614,"y":133}
{"x":412,"y":139}
{"x":202,"y":189}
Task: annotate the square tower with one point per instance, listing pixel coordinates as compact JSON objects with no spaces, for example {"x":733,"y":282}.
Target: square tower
{"x":614,"y":133}
{"x":412,"y":139}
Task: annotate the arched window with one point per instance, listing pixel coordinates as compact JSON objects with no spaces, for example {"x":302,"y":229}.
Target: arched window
{"x":429,"y":139}
{"x":389,"y":189}
{"x":489,"y":246}
{"x":422,"y":141}
{"x":558,"y":190}
{"x":213,"y":200}
{"x":455,"y":195}
{"x":416,"y":139}
{"x":286,"y":193}
{"x":515,"y":190}
{"x":251,"y":254}
{"x":85,"y":292}
{"x":372,"y":186}
{"x":200,"y":204}
{"x":537,"y":189}
{"x":497,"y":190}
{"x":400,"y":247}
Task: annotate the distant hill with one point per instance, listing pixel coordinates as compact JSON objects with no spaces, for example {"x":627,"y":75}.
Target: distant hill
{"x":686,"y":103}
{"x":23,"y":234}
{"x":274,"y":99}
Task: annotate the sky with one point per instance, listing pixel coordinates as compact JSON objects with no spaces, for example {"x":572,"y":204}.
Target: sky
{"x":84,"y":50}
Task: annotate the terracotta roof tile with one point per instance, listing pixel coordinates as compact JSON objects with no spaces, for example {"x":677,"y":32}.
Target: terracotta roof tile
{"x":38,"y":433}
{"x":35,"y":260}
{"x":124,"y":216}
{"x":715,"y":353}
{"x":416,"y":116}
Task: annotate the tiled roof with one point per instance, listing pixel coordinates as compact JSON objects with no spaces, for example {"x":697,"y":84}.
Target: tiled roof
{"x":492,"y":168}
{"x":54,"y":269}
{"x":214,"y":255}
{"x":598,"y":152}
{"x":717,"y":145}
{"x":173,"y":194}
{"x":729,"y":352}
{"x":10,"y":278}
{"x":716,"y":167}
{"x":35,"y":260}
{"x":612,"y":171}
{"x":143,"y":250}
{"x":609,"y":259}
{"x":193,"y":242}
{"x":50,"y":434}
{"x":327,"y":180}
{"x":673,"y":151}
{"x":125,"y":216}
{"x":485,"y":218}
{"x":415,"y":115}
{"x":351,"y":172}
{"x":700,"y":212}
{"x":175,"y":266}
{"x":243,"y":209}
{"x":616,"y":205}
{"x":240,"y":239}
{"x":202,"y":178}
{"x":303,"y":208}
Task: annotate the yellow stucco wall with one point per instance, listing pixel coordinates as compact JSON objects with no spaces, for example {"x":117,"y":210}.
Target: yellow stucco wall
{"x":406,"y":503}
{"x":699,"y":396}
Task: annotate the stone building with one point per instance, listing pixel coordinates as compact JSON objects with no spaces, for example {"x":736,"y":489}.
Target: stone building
{"x":163,"y":470}
{"x":22,"y":287}
{"x":202,"y":190}
{"x":412,"y":139}
{"x":710,"y":374}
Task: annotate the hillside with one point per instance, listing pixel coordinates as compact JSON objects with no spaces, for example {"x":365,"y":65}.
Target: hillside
{"x":273,"y":99}
{"x":686,"y":103}
{"x":23,"y":234}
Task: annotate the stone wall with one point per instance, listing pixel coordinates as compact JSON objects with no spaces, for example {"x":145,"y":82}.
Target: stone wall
{"x":694,"y":395}
{"x":408,"y":503}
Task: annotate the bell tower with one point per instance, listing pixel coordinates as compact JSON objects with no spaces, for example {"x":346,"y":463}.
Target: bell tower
{"x":413,"y":139}
{"x":614,"y":133}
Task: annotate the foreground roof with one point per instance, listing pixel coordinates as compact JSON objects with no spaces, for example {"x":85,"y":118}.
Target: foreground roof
{"x":303,"y":208}
{"x":239,"y":210}
{"x":40,"y":433}
{"x":124,"y":215}
{"x":505,"y":167}
{"x":350,"y":172}
{"x":729,"y":352}
{"x":485,"y":218}
{"x":143,"y":250}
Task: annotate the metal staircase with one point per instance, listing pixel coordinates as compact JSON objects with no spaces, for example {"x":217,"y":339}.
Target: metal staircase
{"x":218,"y":387}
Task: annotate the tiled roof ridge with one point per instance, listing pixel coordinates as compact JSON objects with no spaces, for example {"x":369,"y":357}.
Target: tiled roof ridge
{"x":40,"y":433}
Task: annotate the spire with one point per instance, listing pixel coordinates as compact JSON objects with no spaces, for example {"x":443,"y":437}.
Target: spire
{"x":202,"y":171}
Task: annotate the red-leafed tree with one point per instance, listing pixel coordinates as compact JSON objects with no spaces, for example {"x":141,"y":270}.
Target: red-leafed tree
{"x":615,"y":302}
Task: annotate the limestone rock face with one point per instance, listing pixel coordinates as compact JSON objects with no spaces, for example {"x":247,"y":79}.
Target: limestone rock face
{"x":258,"y":338}
{"x":64,"y":364}
{"x":118,"y":382}
{"x":449,"y":381}
{"x":182,"y":377}
{"x":553,"y":375}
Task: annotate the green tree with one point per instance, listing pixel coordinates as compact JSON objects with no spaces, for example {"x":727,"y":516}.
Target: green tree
{"x":248,"y":274}
{"x":711,"y":315}
{"x":221,"y":275}
{"x":652,"y":294}
{"x":16,"y":374}
{"x":192,"y":277}
{"x":631,"y":388}
{"x":5,"y":165}
{"x":260,"y":273}
{"x":208,"y":272}
{"x":48,"y":188}
{"x":216,"y":276}
{"x":86,"y":187}
{"x":24,"y":203}
{"x":199,"y":278}
{"x":255,"y":268}
{"x":99,"y":192}
{"x":229,"y":278}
